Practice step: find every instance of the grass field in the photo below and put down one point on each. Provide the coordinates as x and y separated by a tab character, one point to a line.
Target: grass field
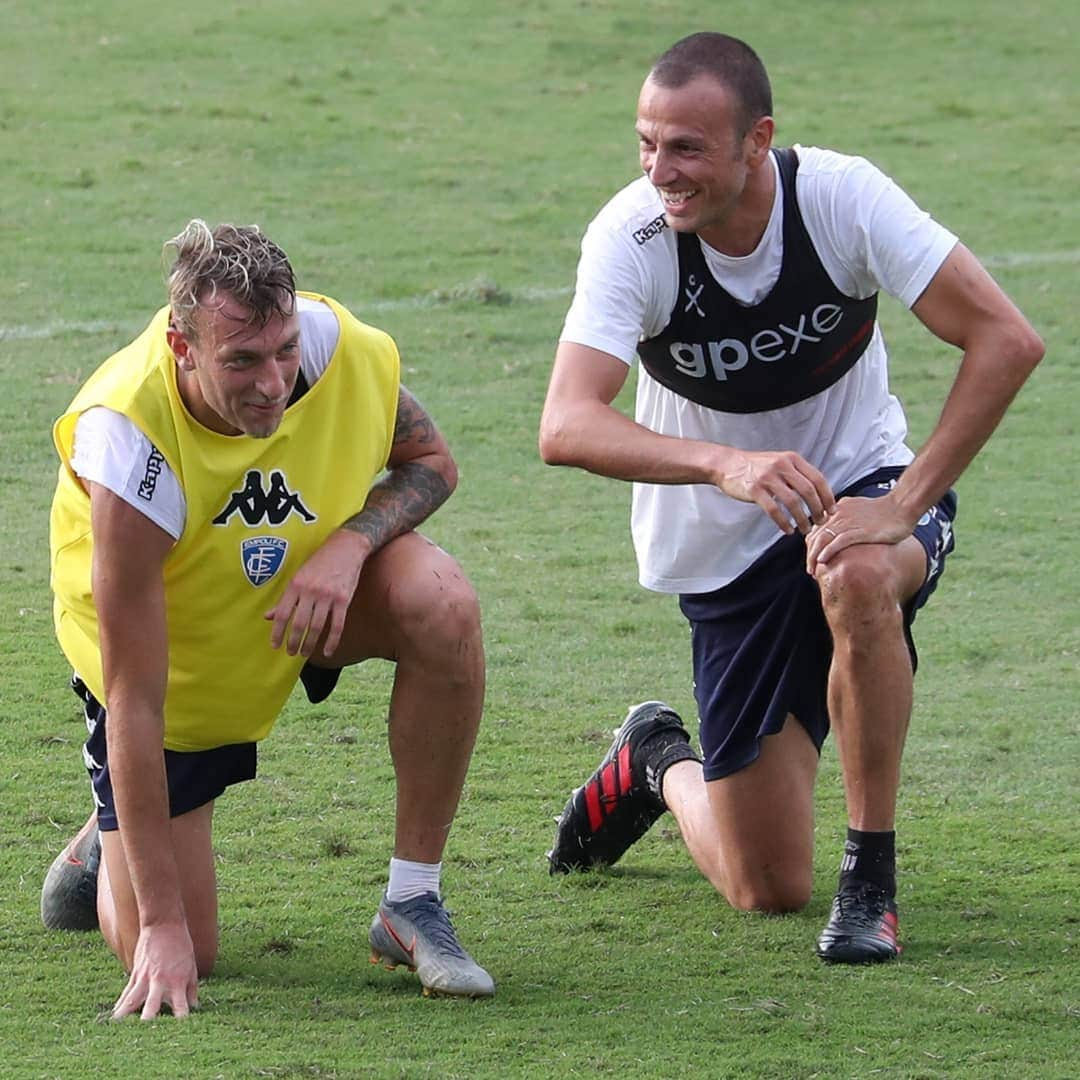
433	165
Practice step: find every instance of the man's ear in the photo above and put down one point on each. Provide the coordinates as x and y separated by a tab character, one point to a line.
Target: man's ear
758	140
181	348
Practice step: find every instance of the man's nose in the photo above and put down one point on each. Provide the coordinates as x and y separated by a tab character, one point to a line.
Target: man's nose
271	381
660	169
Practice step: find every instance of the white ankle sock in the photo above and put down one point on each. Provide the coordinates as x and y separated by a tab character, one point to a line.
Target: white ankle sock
412	879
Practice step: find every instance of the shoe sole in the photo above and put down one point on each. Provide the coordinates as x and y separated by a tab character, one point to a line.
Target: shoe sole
388	963
853	953
382	956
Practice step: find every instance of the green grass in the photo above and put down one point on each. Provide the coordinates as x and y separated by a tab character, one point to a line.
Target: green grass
433	165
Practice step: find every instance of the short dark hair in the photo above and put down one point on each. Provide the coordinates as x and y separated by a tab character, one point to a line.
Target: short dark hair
728	60
240	260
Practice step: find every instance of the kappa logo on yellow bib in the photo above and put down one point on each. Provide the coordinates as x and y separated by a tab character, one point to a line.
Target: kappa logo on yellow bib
264	499
262	557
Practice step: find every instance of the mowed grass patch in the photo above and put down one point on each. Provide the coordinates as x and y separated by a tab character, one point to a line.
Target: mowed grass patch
433	166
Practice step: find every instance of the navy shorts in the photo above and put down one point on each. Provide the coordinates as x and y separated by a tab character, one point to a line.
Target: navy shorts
761	645
194	778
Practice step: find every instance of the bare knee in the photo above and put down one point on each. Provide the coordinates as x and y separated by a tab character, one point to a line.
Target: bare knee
768	896
435	611
759	845
413	603
860	590
857	574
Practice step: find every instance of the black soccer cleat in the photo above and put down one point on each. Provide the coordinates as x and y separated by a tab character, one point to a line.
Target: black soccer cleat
617	805
862	928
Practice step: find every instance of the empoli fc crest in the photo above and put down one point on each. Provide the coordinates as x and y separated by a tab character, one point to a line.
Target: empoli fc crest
262	557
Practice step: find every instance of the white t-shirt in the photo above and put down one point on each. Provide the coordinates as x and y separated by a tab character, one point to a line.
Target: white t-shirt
870	236
110	450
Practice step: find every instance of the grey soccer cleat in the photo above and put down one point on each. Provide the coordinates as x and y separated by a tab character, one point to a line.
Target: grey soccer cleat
418	934
69	895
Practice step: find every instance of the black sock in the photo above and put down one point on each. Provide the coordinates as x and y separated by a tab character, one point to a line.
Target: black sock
659	753
869	856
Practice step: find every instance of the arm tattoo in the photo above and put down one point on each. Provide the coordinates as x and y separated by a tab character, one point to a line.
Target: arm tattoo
412	424
399	502
410	492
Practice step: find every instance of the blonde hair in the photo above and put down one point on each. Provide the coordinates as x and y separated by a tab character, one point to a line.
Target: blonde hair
238	260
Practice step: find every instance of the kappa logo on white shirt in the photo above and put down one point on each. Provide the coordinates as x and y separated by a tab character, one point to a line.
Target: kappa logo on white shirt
155	459
654	228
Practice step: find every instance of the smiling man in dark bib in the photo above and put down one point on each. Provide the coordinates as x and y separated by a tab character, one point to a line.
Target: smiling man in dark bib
774	490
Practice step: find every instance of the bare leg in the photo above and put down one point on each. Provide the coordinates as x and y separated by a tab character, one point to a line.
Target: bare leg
117	910
414	606
870	681
434	715
752	833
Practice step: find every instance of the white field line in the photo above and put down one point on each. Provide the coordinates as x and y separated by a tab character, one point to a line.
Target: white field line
458	294
1032	258
461	293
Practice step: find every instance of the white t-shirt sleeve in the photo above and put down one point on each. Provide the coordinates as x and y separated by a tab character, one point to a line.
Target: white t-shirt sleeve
319	332
625	283
110	450
869	233
607	311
